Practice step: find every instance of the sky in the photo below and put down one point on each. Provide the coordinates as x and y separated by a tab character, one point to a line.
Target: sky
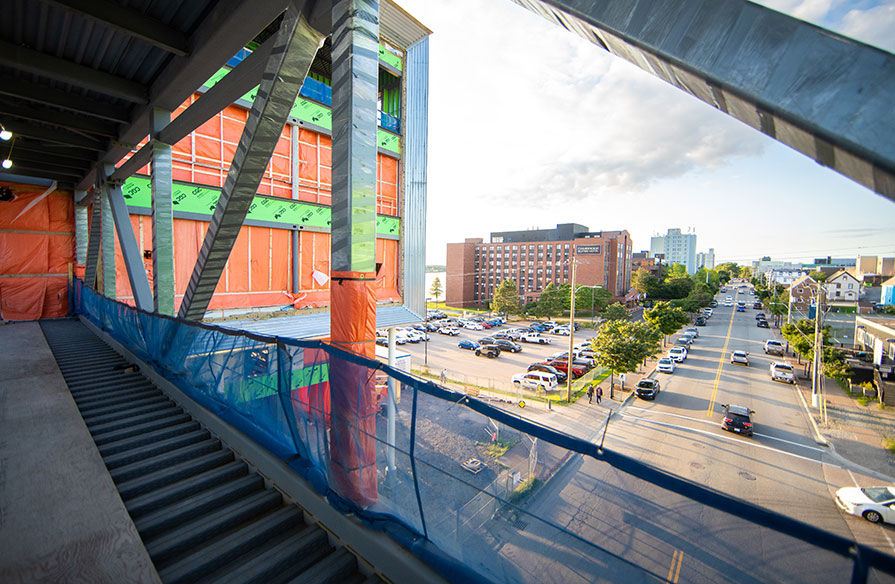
531	126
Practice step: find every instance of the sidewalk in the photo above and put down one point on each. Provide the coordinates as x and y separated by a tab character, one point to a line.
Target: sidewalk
854	432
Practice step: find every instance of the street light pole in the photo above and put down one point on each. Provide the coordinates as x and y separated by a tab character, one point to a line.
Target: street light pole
571	333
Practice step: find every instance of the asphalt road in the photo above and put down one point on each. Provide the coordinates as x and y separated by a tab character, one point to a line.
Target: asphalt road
649	534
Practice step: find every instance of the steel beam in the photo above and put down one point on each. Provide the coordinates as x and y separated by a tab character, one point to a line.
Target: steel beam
229	26
25	59
129	21
130	250
295	46
34	92
416	121
42	157
236	84
821	93
36	132
162	217
93	244
108	245
81	232
62	119
66	154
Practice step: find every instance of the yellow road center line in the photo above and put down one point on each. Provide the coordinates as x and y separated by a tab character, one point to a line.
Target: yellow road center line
711	409
674	570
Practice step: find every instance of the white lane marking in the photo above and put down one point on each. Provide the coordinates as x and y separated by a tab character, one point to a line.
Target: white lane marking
882	528
814	448
730	438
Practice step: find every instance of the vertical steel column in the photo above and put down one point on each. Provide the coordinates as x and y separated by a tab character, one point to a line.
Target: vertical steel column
162	216
415	124
93	244
295	46
81	230
392	404
355	64
108	244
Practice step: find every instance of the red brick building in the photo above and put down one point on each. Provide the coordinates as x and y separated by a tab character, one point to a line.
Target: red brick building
535	258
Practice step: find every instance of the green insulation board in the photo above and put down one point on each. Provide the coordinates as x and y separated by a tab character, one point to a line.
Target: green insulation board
203	200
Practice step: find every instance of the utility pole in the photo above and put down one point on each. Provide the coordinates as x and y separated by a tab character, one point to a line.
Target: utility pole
818	348
571	333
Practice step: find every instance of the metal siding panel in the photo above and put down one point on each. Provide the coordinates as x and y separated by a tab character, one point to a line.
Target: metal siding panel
416	120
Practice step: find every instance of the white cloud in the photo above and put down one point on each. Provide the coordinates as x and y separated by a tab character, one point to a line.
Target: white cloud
875	26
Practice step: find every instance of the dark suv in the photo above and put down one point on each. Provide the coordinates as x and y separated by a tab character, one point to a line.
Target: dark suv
647	388
737	419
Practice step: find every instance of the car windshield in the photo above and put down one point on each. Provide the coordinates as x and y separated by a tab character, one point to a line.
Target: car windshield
880	494
647	383
787	368
664	361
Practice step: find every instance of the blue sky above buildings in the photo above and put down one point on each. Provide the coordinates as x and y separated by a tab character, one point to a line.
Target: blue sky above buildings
530	126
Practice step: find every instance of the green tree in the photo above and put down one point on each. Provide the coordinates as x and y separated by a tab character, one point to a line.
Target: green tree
506	299
679	271
590	296
678	287
732	269
888	309
645	283
615	311
549	302
436	289
778	306
666	319
817	276
621	346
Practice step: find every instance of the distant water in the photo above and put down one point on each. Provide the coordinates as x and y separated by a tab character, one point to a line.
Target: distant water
430	277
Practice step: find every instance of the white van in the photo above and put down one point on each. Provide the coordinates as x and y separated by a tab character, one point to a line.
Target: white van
537	380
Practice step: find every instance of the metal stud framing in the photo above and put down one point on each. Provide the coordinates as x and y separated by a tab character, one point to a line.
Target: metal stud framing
162	217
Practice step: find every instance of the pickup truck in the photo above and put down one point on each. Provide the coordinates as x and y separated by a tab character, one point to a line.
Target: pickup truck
535	338
782	372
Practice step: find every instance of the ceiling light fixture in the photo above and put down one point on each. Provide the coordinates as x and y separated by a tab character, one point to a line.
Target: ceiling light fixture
4	133
7	163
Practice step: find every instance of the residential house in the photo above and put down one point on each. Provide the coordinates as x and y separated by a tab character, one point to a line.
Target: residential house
888	292
842	287
802	293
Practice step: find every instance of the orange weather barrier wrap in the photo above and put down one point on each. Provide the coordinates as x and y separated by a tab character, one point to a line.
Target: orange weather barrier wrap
36	247
352	388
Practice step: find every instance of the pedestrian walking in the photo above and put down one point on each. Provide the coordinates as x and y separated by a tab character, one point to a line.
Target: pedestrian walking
590	394
599	394
443	376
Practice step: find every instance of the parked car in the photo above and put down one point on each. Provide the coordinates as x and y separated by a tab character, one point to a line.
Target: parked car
760	316
762	324
783	372
539	380
756	305
474	326
560	375
509	335
772	347
700	321
507	345
563	365
647	388
741	357
539	327
490	351
382	341
449	331
693	331
713	303
708	311
467	344
875	504
562	331
486	341
737	419
537	338
683	340
665	365
678	354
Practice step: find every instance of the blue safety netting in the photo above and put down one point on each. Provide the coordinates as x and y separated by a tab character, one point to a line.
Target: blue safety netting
452	473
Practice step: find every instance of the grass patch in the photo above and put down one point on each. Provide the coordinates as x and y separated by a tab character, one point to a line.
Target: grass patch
864	400
499	448
889	444
524	490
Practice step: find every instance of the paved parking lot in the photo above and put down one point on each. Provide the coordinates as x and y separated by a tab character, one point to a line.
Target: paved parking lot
442	352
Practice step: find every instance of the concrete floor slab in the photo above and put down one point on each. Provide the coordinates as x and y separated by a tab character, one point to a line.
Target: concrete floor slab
61	519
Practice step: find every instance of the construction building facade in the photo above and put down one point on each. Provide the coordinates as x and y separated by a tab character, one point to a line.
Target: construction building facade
535	258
